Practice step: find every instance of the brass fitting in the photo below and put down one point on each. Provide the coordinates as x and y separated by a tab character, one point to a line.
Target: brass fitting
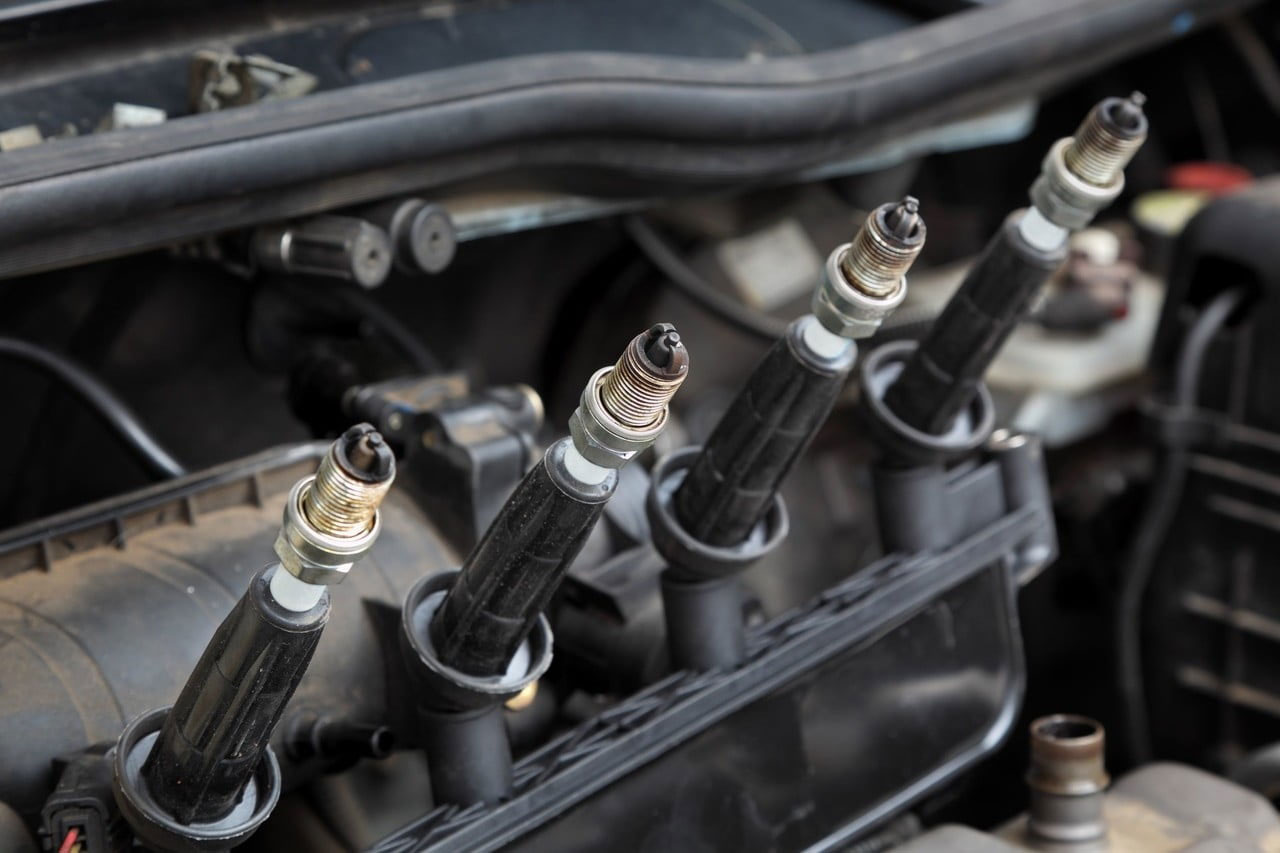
623	409
1084	173
866	278
331	519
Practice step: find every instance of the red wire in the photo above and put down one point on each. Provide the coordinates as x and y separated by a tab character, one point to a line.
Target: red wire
69	840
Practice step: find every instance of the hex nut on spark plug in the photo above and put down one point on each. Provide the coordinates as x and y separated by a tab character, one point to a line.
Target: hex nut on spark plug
865	280
331	519
311	555
623	408
1084	173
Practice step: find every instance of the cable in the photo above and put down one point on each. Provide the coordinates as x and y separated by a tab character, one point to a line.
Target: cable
904	325
695	288
1257	56
423	360
69	840
102	400
1162	503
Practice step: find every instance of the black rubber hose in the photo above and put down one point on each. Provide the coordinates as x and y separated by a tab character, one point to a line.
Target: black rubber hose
695	288
682	119
1164	495
114	411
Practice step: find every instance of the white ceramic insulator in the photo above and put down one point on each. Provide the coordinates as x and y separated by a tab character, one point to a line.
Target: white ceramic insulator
582	469
1040	232
293	594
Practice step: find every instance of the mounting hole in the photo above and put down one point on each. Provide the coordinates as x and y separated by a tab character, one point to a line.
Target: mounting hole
1067	728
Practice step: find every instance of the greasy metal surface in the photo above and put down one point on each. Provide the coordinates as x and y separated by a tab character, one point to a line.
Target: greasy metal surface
105	633
1160	808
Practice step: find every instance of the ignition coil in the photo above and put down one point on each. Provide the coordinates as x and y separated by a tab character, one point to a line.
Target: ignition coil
716	509
474	638
776	414
934	383
201	775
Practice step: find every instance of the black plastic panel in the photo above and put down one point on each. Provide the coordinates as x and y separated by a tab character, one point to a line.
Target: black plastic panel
919	654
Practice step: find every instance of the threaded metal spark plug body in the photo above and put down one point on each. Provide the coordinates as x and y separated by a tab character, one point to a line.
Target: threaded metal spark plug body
884	248
1107	140
624	407
352	480
648	374
331	519
866	278
1084	173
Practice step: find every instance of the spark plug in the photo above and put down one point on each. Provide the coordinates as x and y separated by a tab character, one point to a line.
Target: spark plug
202	775
775	416
511	575
1080	175
474	638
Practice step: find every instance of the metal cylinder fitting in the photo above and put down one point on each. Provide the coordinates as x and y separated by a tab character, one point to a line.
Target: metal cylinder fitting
1107	139
333	246
648	374
331	519
352	480
866	279
624	408
422	235
1068	779
1084	173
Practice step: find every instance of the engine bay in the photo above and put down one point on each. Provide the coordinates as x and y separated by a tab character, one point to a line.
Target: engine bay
831	425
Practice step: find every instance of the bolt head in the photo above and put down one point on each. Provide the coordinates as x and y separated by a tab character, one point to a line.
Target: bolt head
846	311
1064	199
599	452
599	437
315	557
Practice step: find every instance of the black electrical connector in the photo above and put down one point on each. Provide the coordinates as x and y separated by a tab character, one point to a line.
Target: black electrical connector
715	510
215	735
82	803
475	638
1080	175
